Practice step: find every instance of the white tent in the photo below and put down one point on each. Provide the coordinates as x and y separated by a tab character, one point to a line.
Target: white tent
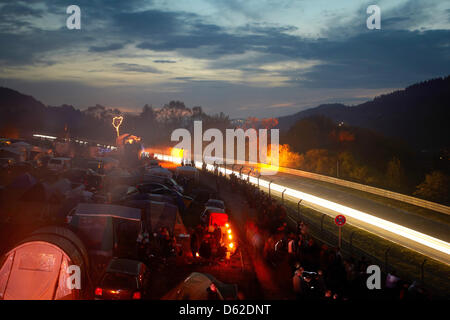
37	268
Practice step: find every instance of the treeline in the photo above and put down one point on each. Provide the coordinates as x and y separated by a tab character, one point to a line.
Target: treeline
22	115
317	144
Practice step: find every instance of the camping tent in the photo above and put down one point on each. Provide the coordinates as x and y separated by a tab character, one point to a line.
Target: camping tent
159	171
194	288
149	197
159	214
162	214
107	231
188	172
118	176
37	268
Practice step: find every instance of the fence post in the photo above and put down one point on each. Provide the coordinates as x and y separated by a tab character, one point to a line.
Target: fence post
422	270
386	259
321	222
248	175
282	196
269	189
298	209
258	180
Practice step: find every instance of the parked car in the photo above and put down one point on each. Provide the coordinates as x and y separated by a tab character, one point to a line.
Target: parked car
59	164
149	187
206	214
124	279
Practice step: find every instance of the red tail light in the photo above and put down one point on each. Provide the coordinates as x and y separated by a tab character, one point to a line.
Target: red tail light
98	291
136	295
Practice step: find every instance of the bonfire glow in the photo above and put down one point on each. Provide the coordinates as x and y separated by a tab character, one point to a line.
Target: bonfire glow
177	153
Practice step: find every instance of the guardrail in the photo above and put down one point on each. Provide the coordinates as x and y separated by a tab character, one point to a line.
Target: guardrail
358	186
378	191
336	208
387	261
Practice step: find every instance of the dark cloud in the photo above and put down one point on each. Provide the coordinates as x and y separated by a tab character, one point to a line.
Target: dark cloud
184	78
379	59
148	23
28	48
15	10
132	67
360	58
110	47
164	61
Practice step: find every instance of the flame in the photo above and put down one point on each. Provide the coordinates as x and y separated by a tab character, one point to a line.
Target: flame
286	158
117	125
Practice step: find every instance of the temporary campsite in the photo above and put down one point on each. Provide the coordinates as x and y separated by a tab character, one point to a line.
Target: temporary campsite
37	267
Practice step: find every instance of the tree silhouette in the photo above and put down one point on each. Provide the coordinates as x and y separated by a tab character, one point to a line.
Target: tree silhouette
395	175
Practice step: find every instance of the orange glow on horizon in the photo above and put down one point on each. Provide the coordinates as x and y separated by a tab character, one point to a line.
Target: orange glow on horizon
177	153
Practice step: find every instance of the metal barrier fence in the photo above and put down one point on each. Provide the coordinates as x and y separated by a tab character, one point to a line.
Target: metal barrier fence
377	191
346	183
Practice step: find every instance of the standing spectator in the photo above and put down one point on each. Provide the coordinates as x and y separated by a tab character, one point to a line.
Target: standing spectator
194	243
205	249
297	281
291	250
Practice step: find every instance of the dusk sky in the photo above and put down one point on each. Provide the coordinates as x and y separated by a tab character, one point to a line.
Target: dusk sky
256	57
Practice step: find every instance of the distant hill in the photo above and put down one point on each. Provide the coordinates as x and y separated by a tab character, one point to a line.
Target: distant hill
417	115
22	115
